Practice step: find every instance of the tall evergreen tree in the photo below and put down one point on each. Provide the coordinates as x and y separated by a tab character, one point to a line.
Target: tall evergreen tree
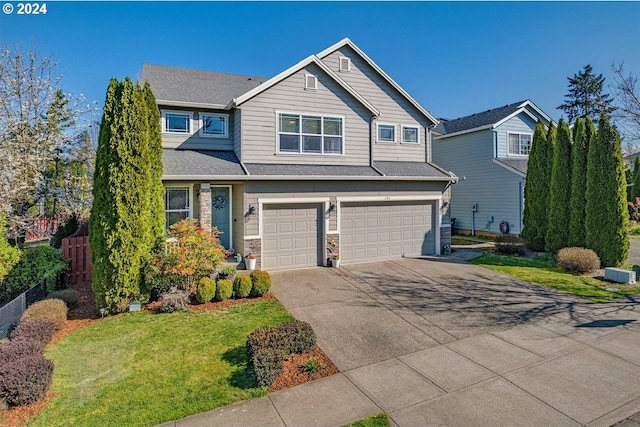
120	218
634	190
560	191
536	190
606	216
155	163
585	97
579	152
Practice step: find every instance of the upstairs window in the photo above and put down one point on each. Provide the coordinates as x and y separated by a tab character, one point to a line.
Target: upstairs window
177	122
386	133
306	134
410	135
177	204
519	144
214	125
345	64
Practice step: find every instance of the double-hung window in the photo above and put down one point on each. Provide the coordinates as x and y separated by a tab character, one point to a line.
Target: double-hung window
177	122
310	134
386	133
214	125
410	135
177	204
519	144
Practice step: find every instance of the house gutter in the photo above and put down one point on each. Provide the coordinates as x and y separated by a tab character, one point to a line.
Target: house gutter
450	178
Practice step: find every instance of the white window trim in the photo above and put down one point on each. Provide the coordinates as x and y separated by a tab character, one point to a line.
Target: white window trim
518	154
208	135
308	78
300	152
342	58
402	128
189	188
395	131
184	113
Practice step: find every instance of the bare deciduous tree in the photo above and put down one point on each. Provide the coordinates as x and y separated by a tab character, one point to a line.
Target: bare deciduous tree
627	96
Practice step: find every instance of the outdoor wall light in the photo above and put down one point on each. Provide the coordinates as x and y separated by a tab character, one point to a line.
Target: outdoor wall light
252	210
332	207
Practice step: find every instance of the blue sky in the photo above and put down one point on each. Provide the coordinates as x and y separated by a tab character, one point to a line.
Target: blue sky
455	58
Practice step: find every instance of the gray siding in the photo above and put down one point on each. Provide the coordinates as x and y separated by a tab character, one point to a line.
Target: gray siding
494	188
194	140
259	120
394	107
521	123
237	139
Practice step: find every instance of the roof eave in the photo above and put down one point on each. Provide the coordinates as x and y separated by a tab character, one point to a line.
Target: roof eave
305	177
189	104
462	132
510	168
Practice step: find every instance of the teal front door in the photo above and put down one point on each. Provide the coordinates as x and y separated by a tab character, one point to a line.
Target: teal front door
221	213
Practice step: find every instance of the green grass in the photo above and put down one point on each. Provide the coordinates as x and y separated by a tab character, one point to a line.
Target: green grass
380	420
544	271
143	369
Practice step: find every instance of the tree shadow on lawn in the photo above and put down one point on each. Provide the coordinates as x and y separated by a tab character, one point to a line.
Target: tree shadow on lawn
244	376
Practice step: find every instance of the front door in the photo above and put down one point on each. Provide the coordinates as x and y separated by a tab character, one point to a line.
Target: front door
220	213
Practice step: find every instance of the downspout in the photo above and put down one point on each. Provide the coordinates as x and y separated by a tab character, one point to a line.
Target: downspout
495	143
371	127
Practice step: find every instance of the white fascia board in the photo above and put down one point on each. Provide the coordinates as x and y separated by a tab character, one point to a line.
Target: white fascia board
509	168
352	45
514	114
303	178
539	111
462	132
188	104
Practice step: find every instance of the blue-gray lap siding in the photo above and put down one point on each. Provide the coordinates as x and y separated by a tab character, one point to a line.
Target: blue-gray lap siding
496	190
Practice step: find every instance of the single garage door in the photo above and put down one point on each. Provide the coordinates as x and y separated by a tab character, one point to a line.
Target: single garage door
375	231
291	236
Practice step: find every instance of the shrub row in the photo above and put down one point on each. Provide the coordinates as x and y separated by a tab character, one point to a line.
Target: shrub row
509	244
267	347
53	310
578	260
69	296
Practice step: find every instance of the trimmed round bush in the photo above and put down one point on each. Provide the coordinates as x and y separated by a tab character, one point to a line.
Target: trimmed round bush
10	351
261	281
578	260
224	289
174	300
40	330
298	336
510	244
206	290
242	286
268	364
69	296
54	310
26	380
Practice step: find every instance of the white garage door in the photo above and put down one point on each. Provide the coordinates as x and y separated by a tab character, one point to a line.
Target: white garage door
375	231
291	236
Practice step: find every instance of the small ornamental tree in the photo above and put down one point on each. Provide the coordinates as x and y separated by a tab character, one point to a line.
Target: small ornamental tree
560	191
579	151
536	191
606	216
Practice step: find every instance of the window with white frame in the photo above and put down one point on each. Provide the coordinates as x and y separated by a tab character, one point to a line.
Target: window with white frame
345	63
177	204
176	122
214	125
410	135
310	81
386	133
307	134
519	144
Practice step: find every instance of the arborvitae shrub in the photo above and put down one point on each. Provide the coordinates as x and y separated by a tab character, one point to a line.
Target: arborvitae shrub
40	330
10	351
69	296
509	244
26	380
578	260
206	290
174	300
224	289
268	364
242	286
261	283
298	336
54	310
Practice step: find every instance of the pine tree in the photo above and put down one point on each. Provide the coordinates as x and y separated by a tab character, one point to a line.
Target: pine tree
536	191
579	152
155	162
606	216
560	191
585	97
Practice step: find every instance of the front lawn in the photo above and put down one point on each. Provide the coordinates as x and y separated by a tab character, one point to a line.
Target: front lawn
545	272
144	369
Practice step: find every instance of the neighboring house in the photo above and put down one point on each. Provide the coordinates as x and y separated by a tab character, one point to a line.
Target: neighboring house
630	159
488	152
331	149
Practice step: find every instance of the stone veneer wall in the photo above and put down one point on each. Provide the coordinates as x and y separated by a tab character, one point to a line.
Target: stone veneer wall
205	208
254	247
445	238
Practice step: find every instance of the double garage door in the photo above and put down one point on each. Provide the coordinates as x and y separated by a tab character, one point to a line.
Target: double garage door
293	234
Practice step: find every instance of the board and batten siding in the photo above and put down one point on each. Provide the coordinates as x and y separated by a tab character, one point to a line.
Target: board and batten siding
260	121
522	123
496	190
193	140
393	106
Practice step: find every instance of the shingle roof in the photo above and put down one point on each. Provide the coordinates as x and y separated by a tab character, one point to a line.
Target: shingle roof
518	164
309	170
477	120
412	169
197	86
185	163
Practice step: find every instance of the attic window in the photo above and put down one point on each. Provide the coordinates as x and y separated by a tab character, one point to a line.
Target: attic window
310	81
519	144
345	63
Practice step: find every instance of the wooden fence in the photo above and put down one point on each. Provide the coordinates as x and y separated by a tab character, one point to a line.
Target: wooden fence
76	250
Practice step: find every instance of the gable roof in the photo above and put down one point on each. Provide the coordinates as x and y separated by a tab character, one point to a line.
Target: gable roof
488	119
347	42
313	59
187	87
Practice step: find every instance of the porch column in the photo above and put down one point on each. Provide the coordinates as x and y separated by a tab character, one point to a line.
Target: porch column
205	206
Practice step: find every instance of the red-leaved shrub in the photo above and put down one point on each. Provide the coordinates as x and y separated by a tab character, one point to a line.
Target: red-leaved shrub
11	351
40	330
26	380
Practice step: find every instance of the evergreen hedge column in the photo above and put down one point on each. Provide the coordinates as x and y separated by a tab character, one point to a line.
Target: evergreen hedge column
560	191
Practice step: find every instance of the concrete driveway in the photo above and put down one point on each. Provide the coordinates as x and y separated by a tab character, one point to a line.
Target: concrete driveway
440	342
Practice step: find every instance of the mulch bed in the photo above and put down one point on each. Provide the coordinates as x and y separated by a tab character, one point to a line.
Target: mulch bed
294	375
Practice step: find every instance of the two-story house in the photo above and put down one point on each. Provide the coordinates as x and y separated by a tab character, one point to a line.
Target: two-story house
331	149
488	152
